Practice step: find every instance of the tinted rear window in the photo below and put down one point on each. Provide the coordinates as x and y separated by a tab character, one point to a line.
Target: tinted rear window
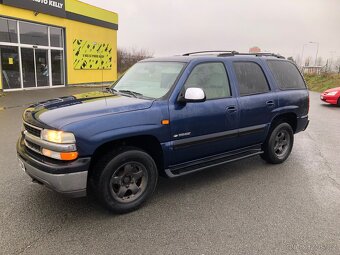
286	75
251	79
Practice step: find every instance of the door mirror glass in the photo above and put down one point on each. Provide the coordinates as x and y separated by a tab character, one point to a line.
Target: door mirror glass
194	95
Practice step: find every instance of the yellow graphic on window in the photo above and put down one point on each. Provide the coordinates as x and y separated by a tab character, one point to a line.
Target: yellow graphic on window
91	55
10	61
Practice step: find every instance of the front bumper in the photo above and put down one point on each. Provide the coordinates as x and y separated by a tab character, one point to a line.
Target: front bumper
68	178
329	99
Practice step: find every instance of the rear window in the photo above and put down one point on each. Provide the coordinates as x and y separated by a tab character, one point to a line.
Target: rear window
251	79
286	75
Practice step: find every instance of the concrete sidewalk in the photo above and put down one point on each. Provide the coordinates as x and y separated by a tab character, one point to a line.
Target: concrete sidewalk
27	97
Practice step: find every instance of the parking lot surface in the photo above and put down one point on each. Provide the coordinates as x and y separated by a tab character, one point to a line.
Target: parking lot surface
246	207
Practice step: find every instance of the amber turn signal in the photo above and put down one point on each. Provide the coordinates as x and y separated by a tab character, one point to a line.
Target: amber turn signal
67	156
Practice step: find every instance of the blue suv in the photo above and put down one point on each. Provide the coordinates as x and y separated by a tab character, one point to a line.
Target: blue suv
165	116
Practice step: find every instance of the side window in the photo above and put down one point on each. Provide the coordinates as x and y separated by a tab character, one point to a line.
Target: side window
212	78
251	79
286	75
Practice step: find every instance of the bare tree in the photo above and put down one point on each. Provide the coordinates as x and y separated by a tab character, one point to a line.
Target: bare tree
308	61
291	59
127	58
337	64
319	61
298	60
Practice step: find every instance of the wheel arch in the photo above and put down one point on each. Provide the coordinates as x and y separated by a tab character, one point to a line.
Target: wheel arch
289	117
147	143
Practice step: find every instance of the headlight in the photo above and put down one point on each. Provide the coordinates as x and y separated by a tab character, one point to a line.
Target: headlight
55	136
333	93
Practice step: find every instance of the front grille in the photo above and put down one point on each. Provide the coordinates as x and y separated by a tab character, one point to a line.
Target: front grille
32	146
32	130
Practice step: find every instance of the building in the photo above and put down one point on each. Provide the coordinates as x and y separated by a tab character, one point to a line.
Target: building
254	49
312	69
51	43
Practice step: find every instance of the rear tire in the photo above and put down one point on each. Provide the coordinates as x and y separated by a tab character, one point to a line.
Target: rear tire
125	179
279	144
339	101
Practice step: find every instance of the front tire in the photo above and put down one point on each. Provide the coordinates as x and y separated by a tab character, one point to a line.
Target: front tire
126	179
279	144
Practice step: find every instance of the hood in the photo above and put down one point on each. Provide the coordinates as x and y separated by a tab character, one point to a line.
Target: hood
331	90
58	112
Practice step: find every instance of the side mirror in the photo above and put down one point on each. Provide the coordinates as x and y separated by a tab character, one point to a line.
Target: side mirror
193	95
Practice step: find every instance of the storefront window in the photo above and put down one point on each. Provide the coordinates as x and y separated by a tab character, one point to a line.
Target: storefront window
10	67
57	60
33	34
56	35
8	31
38	63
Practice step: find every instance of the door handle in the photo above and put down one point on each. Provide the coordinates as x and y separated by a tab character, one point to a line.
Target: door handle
231	108
270	103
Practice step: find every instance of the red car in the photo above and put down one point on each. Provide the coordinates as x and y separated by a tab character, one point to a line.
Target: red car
331	96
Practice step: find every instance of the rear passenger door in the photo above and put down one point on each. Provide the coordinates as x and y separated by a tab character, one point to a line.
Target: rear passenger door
256	100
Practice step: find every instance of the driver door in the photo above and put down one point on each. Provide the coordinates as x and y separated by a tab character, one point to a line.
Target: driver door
201	129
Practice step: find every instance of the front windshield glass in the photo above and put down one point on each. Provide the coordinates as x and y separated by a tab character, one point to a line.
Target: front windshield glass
149	79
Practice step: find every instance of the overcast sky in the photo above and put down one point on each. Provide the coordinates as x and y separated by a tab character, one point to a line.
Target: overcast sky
169	27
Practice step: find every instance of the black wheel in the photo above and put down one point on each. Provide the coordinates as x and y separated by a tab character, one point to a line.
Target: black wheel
125	179
279	144
339	101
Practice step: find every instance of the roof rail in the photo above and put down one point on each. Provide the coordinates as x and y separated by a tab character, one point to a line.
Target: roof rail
230	52
259	54
225	53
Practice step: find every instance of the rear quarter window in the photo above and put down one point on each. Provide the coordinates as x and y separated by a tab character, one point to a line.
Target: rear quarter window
286	75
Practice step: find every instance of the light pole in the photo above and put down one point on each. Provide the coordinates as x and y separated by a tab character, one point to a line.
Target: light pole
317	51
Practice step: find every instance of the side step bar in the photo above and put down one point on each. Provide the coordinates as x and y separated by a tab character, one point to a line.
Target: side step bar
220	159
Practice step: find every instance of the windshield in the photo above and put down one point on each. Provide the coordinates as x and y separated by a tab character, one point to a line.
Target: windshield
149	79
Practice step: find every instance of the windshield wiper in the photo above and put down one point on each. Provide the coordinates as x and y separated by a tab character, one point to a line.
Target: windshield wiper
132	93
111	90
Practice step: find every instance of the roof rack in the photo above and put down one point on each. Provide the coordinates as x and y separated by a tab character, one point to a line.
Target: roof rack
225	53
260	54
211	51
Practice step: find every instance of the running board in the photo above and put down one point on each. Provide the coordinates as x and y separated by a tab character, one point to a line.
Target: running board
220	159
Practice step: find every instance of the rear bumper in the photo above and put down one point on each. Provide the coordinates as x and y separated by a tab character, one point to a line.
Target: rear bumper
302	124
66	178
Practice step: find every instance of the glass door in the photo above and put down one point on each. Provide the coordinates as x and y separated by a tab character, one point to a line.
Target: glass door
41	67
28	67
35	67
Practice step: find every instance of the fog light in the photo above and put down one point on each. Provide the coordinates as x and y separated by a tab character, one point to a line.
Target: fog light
60	155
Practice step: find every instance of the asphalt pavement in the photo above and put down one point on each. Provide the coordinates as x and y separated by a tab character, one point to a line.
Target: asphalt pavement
246	207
